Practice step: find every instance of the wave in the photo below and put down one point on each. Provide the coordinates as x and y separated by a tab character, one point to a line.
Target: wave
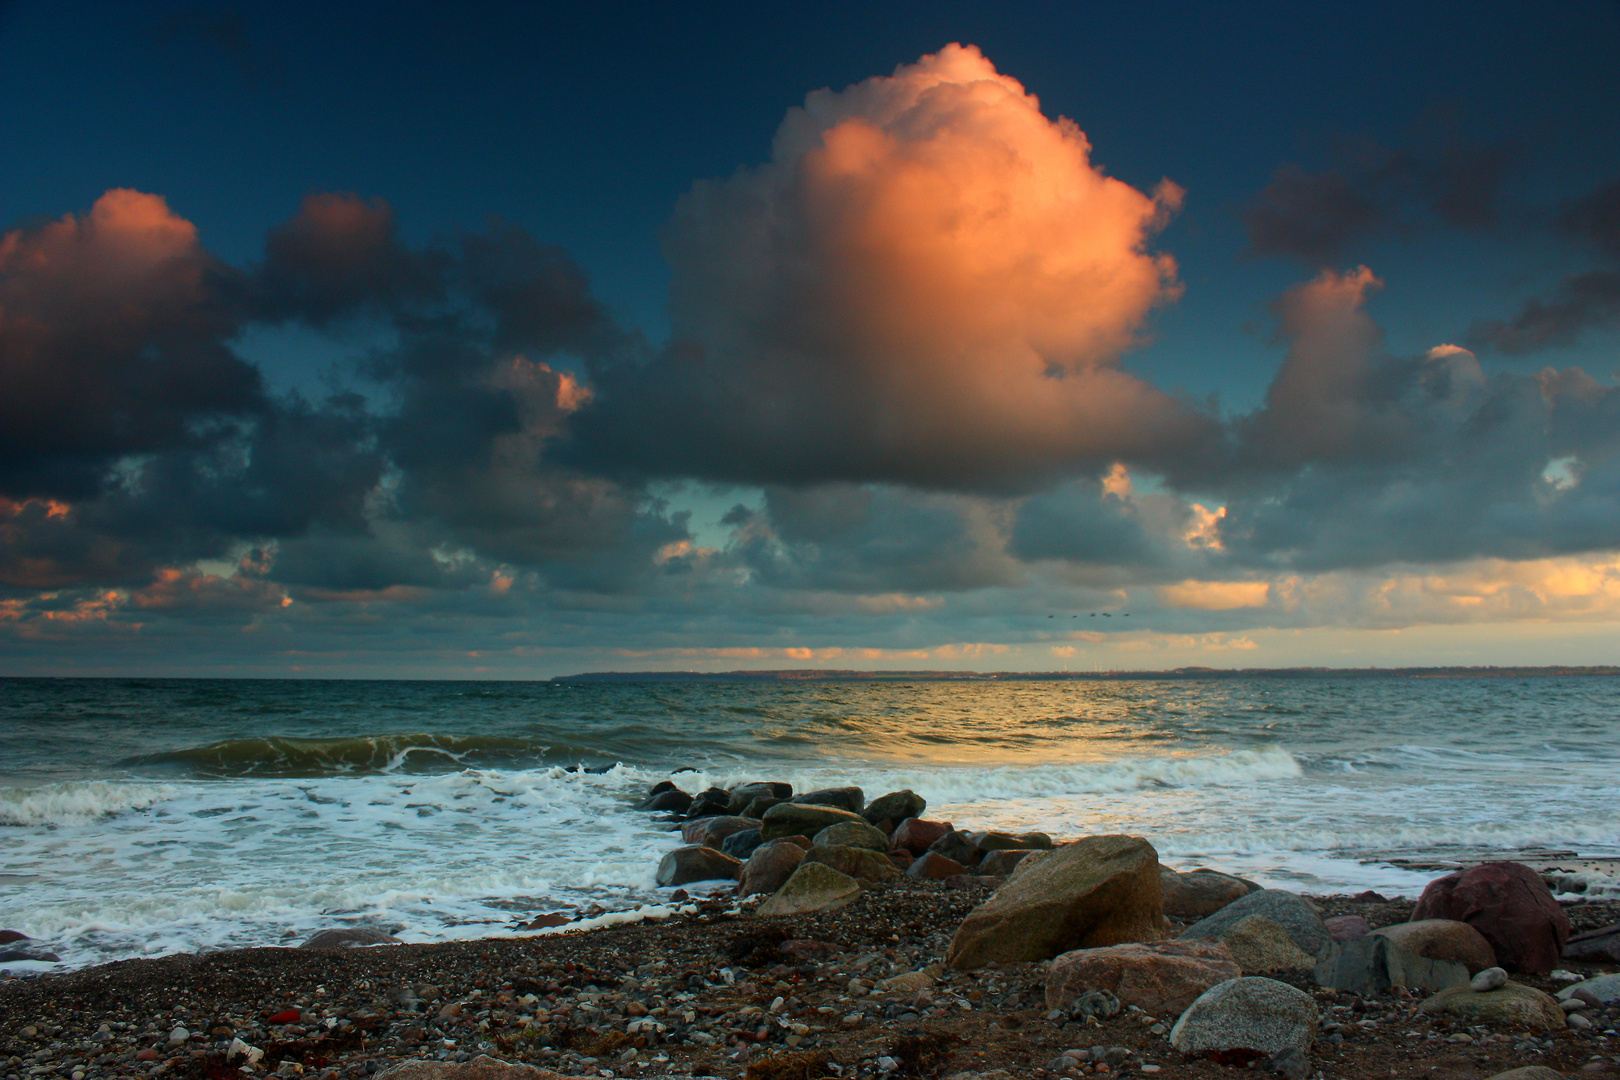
290	756
77	803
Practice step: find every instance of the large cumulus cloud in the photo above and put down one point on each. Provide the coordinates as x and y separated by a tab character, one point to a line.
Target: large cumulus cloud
929	283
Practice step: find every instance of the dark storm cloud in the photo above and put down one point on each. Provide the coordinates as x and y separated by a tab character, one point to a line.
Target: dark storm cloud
1583	301
1318	217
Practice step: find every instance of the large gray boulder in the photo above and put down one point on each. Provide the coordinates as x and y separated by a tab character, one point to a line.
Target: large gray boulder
813	887
1443	939
712	831
1158	977
895	807
1260	945
852	834
863	864
1606	988
1375	963
1250	1013
1510	1005
1102	890
1293	912
696	862
349	937
743	794
852	798
802	819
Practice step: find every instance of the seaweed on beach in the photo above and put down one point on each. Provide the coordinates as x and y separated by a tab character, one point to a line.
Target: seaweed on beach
923	1055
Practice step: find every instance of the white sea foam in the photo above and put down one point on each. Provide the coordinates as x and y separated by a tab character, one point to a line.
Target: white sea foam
78	802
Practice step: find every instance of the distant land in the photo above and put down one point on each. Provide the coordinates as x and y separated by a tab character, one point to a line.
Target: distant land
833	675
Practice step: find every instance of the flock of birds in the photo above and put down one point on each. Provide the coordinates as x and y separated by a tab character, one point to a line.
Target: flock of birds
1094	614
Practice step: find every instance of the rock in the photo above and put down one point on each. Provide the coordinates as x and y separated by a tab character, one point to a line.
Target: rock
349	937
1371	965
756	808
790	818
908	984
957	847
672	799
933	865
1002	863
896	806
712	831
743	794
1513	1005
770	865
901	859
8	936
1091	1005
482	1067
740	845
1200	893
853	834
915	834
812	887
1606	988
852	799
1000	841
710	803
1443	939
1159	977
1346	927
1491	978
863	864
1259	945
1102	890
695	862
1249	1013
1293	912
1510	905
1600	945
1528	1072
31	951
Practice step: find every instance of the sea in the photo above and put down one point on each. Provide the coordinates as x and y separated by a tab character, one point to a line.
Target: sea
141	817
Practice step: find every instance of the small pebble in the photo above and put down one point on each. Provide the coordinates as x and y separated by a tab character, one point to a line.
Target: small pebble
1491	978
1578	1022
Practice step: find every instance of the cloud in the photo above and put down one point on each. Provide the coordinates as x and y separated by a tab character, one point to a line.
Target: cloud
1214	595
1583	301
929	283
1369	192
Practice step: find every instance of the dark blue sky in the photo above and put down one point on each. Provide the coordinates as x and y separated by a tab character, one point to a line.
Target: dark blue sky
1464	152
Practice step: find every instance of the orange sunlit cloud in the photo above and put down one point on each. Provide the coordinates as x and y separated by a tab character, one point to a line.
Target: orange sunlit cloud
1214	595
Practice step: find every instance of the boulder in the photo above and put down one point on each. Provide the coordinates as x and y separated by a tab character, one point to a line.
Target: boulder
813	887
1159	977
712	831
756	807
1513	1005
853	834
1002	863
1200	893
1255	1014
852	799
349	937
1346	927
915	834
1602	944
895	806
740	845
1373	964
1443	939
695	862
1102	890
863	864
1293	912
1000	841
1510	905
769	865
793	818
673	800
1259	945
1528	1072
956	846
901	859
934	866
709	803
1606	988
482	1067
743	794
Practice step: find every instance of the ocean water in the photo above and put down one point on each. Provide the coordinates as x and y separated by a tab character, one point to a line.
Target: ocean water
142	817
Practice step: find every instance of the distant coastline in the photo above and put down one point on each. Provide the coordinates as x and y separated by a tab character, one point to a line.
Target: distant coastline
834	675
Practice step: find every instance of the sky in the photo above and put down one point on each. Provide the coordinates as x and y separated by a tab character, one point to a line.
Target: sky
402	340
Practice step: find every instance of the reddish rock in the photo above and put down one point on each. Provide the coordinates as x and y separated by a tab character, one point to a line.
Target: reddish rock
1346	927
696	862
8	936
1509	905
769	867
1161	977
1001	863
931	864
712	831
901	858
1200	893
915	834
148	1054
285	1016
